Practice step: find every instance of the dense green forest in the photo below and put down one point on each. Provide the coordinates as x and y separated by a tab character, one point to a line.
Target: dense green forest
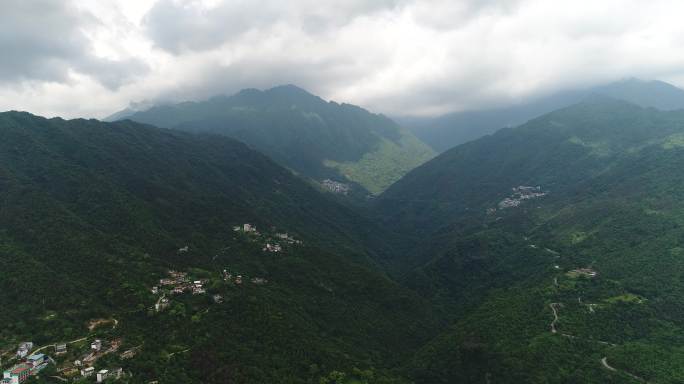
547	253
315	138
581	283
94	214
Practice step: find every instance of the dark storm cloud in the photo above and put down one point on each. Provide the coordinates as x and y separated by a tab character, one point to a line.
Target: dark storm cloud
45	40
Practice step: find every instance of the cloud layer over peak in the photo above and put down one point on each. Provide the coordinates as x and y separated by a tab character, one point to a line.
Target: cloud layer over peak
90	58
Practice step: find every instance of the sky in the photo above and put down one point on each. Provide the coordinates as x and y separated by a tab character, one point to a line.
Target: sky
90	58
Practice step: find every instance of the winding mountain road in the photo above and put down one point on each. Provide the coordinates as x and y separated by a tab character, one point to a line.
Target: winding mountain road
604	363
53	345
555	317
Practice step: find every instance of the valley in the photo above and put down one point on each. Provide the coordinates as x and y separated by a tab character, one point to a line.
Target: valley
341	192
570	265
549	252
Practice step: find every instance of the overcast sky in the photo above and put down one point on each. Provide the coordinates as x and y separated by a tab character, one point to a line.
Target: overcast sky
89	58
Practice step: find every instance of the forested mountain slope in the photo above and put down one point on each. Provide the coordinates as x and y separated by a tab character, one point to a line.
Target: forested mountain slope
556	151
550	252
579	280
318	139
94	214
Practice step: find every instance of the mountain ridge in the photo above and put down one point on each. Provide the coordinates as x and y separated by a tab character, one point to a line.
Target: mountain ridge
95	214
449	130
317	139
556	245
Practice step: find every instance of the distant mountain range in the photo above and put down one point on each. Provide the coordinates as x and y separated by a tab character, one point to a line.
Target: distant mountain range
317	139
450	130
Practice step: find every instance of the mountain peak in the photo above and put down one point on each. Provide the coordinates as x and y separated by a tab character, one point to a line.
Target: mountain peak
307	134
289	88
293	92
646	93
285	89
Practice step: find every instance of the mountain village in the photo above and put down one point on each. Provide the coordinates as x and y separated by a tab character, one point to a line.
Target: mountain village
72	362
521	194
336	187
75	360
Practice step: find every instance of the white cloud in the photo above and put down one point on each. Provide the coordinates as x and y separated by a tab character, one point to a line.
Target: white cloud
392	56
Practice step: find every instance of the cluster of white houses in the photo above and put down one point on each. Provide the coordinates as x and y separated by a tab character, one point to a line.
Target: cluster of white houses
24	349
238	279
272	244
96	351
29	365
103	374
335	186
520	194
287	238
246	228
179	283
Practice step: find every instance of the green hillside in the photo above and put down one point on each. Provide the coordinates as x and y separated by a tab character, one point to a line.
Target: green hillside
317	139
547	253
581	284
556	151
95	214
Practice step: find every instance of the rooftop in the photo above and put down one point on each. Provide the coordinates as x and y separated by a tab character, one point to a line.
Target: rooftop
19	369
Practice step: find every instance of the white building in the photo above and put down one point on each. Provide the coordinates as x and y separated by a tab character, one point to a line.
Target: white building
102	375
60	348
161	304
272	248
24	349
86	372
106	374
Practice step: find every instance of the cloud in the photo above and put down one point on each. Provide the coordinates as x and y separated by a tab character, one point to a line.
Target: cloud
391	56
179	26
417	57
46	41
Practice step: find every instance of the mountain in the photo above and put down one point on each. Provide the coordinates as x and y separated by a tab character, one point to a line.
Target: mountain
317	139
93	215
549	252
556	150
447	131
654	93
556	247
